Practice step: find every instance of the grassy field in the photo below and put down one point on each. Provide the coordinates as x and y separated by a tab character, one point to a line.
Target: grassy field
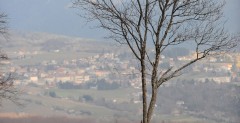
44	106
119	94
38	104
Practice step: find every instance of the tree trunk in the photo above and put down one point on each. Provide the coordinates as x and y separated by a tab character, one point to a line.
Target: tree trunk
144	91
152	105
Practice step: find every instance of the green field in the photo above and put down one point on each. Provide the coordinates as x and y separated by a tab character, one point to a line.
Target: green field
37	102
120	94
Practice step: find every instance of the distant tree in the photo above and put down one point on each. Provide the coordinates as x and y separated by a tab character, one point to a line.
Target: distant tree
68	85
104	85
153	26
7	89
52	94
87	98
3	23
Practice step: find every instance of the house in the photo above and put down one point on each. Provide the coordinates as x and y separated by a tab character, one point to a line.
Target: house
101	73
49	79
81	79
64	78
34	79
224	79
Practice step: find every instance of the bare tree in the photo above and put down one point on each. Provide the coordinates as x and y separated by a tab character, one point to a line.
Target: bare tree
7	89
152	26
3	23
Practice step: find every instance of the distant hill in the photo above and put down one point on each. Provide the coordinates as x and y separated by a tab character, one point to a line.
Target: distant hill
48	41
35	47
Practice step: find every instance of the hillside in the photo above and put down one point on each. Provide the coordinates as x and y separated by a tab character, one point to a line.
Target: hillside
33	48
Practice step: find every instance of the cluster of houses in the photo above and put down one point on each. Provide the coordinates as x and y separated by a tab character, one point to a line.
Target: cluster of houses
223	69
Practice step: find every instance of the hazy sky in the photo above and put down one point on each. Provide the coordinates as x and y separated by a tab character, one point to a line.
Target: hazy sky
55	16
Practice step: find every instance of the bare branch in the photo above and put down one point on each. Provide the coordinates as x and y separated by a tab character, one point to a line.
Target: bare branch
7	88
